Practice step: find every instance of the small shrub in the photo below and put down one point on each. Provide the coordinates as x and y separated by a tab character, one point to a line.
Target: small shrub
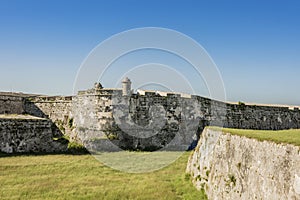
62	128
62	140
112	136
202	186
207	173
198	178
74	147
70	122
241	103
232	179
187	177
239	165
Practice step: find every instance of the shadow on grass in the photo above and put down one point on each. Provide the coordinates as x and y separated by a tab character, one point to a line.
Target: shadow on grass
69	152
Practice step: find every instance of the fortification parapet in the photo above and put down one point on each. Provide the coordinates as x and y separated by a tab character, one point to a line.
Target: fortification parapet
100	110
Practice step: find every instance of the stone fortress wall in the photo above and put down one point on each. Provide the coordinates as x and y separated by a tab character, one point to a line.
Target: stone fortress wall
19	133
56	108
127	118
33	123
229	166
120	116
11	104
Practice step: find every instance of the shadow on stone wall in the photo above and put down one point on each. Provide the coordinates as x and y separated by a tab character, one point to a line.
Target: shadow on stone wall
33	132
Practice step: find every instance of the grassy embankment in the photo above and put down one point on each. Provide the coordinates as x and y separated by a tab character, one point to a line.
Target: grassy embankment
291	136
83	177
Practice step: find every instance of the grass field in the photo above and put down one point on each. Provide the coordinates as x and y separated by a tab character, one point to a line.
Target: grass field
83	177
291	136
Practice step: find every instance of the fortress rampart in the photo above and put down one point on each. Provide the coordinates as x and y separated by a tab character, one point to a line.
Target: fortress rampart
145	120
11	104
19	133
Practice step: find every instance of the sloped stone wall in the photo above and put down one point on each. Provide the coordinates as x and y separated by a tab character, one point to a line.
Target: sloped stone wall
58	109
28	134
233	167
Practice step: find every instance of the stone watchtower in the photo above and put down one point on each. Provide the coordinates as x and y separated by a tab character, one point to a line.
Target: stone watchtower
126	87
98	86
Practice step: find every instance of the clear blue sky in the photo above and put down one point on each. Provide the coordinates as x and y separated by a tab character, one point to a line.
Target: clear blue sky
255	44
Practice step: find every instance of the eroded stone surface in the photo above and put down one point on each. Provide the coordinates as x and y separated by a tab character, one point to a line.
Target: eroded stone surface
28	134
234	167
146	120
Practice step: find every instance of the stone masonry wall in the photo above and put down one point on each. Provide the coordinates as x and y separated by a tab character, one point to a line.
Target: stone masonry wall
139	122
93	119
233	167
153	121
10	104
124	119
248	116
57	108
28	134
261	117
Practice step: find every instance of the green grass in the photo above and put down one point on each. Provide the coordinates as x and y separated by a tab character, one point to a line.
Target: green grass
291	136
138	162
83	177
